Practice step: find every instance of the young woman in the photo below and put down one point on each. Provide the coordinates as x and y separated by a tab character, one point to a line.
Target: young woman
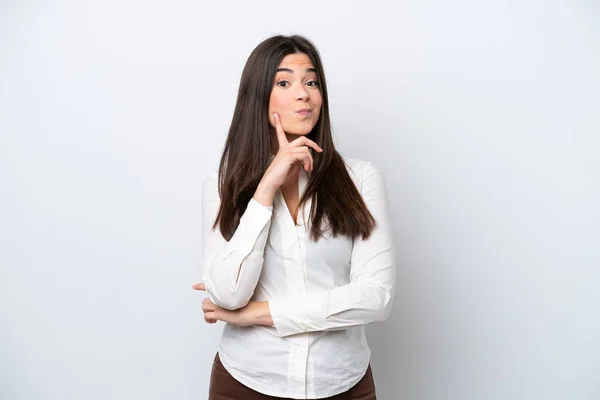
298	252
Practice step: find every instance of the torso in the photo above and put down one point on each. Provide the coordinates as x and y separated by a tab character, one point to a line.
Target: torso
305	365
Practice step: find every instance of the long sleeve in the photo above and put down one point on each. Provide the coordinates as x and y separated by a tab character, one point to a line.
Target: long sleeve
231	269
369	295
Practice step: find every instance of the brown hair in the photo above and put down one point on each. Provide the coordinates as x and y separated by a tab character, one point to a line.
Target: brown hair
251	141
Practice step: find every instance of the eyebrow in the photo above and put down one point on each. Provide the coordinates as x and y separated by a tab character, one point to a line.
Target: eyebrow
311	69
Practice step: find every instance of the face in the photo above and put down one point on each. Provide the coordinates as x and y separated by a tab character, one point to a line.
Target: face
296	95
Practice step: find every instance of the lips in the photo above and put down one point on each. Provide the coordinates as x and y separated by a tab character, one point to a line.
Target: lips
304	111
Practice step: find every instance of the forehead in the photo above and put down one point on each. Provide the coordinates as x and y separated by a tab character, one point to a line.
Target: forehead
296	62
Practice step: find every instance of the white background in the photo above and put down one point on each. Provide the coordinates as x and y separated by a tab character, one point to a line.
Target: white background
482	115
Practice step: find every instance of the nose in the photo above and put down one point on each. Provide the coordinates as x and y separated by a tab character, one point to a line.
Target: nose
301	94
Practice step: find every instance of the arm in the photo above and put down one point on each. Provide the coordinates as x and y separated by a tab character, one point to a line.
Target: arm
231	268
369	295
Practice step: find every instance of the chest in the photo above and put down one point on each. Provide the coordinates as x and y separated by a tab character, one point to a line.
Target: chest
290	236
294	263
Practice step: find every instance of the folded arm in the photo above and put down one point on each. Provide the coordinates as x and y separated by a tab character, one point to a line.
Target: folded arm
231	269
369	295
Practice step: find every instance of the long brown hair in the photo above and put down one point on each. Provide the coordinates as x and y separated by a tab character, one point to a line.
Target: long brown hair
251	141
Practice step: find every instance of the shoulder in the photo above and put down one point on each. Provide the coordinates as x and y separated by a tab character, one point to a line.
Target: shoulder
213	176
211	179
210	186
361	171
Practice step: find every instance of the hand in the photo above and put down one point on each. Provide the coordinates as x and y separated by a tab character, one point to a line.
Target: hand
289	154
254	313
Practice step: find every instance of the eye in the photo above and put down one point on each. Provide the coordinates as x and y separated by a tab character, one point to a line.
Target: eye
312	83
282	83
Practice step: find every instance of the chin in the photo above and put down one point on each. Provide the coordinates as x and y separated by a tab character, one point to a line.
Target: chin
299	133
300	130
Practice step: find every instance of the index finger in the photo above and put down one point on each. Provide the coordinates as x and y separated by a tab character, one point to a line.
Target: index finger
199	286
280	132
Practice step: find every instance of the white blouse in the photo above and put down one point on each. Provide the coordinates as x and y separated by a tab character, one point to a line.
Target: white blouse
321	294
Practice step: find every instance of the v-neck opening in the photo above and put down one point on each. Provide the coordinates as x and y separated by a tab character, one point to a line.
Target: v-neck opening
302	181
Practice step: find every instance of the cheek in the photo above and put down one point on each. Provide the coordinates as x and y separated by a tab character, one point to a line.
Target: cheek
318	102
276	102
315	118
274	107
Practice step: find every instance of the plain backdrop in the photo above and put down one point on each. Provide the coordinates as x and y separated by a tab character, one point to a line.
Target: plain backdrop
484	117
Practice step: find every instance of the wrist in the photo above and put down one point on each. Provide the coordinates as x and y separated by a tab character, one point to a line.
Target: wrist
263	314
264	194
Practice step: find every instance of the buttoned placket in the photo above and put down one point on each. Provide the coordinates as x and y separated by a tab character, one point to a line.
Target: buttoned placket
296	275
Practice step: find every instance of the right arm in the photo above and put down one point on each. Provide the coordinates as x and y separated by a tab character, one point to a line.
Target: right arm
231	268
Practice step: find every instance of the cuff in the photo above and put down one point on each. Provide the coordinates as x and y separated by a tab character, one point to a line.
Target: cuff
256	204
298	314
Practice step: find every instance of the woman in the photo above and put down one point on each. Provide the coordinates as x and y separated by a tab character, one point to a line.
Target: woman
294	289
